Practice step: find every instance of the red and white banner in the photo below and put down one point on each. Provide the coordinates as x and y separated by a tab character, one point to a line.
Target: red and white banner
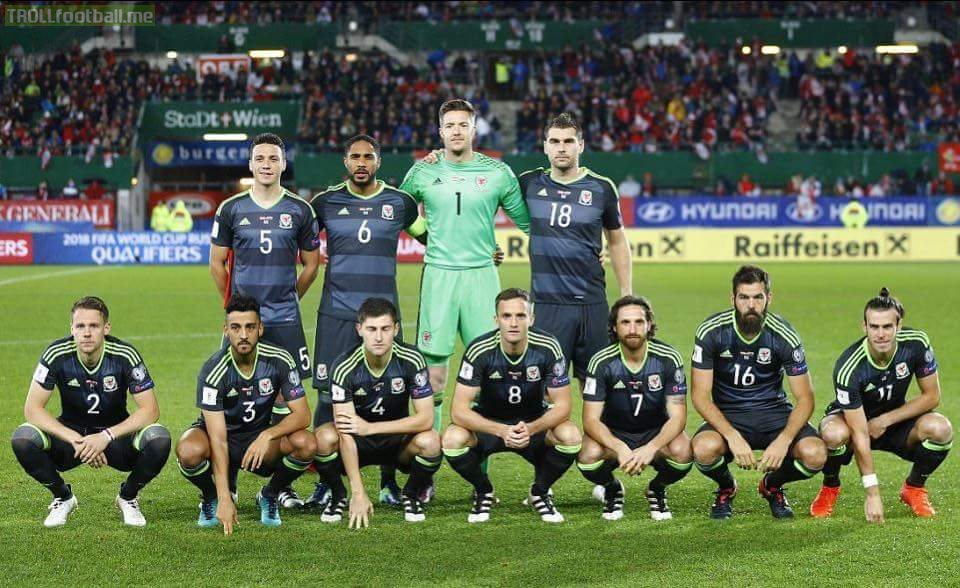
16	248
950	157
200	204
227	63
98	212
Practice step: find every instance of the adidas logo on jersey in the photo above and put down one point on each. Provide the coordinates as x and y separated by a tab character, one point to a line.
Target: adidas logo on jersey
726	353
437	182
870	387
343	211
245	222
232	392
542	192
619	385
496	376
73	382
360	392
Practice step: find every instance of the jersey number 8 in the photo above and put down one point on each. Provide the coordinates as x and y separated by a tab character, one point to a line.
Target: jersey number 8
513	395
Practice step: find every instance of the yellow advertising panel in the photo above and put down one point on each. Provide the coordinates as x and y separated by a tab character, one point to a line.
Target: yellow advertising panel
757	245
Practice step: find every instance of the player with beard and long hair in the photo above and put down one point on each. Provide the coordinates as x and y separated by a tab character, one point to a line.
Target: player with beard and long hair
740	356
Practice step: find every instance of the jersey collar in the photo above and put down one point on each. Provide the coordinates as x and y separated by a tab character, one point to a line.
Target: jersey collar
583	173
256	357
96	368
387	363
643	362
507	356
866	349
283	194
740	336
380	183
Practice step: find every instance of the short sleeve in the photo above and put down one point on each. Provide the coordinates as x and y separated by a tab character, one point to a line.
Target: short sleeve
847	390
139	378
925	363
222	232
317	205
674	380
291	387
209	397
703	351
409	184
793	358
471	371
611	209
595	386
308	237
45	373
557	368
418	382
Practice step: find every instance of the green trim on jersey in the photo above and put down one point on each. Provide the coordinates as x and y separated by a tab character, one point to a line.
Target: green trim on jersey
848	367
714	322
380	189
57	350
613	186
386	364
219	370
913	335
779	326
277	352
347	365
125	351
736	329
253	370
411	356
547	342
625	361
580	175
664	350
866	349
482	345
103	353
600	356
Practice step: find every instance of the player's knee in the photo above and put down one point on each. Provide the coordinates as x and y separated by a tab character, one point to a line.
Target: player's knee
327	439
26	439
812	452
680	449
935	427
156	437
455	437
567	433
427	443
590	451
707	447
304	445
835	433
190	453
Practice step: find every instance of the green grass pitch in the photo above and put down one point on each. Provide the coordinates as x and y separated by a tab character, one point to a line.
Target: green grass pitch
172	315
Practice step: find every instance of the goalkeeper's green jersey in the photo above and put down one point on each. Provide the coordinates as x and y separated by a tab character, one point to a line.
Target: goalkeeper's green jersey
461	201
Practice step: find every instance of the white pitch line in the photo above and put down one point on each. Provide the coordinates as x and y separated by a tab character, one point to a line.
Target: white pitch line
68	272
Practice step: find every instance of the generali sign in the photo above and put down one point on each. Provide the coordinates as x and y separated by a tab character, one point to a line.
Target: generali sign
98	212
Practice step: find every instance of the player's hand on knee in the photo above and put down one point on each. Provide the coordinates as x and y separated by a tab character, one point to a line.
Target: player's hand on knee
361	509
227	514
773	455
873	508
742	453
253	458
876	427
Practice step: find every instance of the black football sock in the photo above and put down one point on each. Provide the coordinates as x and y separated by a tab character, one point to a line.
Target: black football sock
927	457
668	472
718	472
466	462
421	474
599	472
201	476
288	470
836	459
556	461
153	442
28	445
388	475
791	470
329	467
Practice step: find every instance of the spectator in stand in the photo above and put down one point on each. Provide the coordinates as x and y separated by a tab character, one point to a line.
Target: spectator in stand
629	187
70	191
881	188
94	191
3	192
746	187
649	188
810	190
943	185
922	179
43	191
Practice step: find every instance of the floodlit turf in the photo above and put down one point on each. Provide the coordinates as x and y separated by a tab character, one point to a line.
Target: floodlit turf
172	316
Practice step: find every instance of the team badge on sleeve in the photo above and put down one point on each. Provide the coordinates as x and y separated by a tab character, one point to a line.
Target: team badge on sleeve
928	355
294	378
697	353
798	354
420	379
40	374
678	376
466	371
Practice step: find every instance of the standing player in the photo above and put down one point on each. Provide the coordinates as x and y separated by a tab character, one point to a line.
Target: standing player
93	370
739	359
871	379
256	238
373	386
634	411
363	218
236	391
498	405
461	195
571	208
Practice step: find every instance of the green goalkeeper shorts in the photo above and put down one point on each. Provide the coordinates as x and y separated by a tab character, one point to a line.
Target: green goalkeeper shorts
451	302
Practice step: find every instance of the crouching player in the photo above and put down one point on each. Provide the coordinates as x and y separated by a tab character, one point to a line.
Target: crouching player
372	387
236	391
871	379
634	411
93	372
507	373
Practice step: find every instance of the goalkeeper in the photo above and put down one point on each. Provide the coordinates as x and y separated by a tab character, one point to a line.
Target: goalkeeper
461	194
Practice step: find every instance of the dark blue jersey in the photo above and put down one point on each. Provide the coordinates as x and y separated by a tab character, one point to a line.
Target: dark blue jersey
246	400
362	236
93	397
513	388
635	401
859	381
748	374
385	396
566	234
265	244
